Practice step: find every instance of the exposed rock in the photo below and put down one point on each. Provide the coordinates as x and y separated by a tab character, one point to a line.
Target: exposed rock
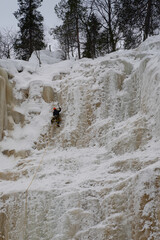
17	154
9	176
48	94
10	123
18	117
8	153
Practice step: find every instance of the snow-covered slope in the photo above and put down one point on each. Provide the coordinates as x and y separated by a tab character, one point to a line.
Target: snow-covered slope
97	176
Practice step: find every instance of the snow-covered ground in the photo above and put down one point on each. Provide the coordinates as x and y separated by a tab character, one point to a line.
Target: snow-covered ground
97	176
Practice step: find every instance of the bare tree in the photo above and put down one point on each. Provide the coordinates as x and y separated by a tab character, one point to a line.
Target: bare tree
1	53
105	9
38	55
7	40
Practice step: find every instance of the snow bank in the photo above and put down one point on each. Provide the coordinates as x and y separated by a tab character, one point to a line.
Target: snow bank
46	56
152	45
14	67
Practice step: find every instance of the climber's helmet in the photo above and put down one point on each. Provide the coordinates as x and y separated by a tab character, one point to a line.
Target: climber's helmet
54	108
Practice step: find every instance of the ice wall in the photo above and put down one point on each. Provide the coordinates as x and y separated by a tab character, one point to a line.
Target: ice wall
97	176
110	104
5	98
8	115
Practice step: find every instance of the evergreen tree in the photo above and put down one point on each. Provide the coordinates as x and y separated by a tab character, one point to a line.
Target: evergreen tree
31	34
138	20
92	36
72	14
65	33
104	45
65	38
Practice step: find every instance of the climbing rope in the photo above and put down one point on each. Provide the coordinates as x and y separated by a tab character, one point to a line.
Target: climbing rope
33	178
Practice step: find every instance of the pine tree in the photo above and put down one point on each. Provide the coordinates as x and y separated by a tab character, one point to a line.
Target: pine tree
72	13
92	37
31	33
138	20
64	37
65	33
76	12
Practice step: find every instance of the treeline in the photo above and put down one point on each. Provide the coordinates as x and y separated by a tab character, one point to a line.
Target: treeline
91	28
30	36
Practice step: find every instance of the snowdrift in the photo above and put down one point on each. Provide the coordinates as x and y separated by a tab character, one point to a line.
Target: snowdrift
46	57
97	176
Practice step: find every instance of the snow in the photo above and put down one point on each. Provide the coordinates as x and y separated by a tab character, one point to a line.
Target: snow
97	174
46	57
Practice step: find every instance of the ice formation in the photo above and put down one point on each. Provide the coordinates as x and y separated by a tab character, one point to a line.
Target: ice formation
97	176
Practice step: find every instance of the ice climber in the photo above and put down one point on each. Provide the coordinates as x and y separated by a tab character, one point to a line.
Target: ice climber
56	116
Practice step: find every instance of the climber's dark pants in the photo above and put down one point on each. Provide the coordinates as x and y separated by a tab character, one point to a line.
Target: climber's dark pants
56	119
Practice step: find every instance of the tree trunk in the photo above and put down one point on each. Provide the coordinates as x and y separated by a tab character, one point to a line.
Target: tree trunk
78	43
112	41
30	30
147	20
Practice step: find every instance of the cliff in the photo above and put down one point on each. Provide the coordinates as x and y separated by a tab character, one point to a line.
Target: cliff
97	176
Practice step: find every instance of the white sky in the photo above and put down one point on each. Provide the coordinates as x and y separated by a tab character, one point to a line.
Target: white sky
8	7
